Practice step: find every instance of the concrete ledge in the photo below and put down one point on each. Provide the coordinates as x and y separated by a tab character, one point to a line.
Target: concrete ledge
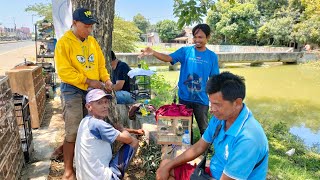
148	124
132	58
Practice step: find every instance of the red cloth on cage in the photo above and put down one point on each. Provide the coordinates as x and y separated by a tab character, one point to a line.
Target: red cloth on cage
173	110
184	171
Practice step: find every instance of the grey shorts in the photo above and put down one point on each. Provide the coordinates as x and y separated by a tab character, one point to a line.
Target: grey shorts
73	107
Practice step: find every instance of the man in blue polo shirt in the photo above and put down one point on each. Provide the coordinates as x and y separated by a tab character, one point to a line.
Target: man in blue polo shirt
241	146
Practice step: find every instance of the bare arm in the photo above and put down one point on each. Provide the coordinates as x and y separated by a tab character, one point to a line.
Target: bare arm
135	131
150	52
190	154
225	177
120	128
119	84
126	138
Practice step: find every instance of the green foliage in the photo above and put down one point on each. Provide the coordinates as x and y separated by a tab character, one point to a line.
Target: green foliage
278	30
237	22
124	35
308	31
141	22
152	28
234	23
151	156
267	8
191	11
144	64
162	90
167	30
312	8
42	10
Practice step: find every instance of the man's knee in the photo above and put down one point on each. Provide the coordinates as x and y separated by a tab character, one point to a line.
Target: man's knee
70	137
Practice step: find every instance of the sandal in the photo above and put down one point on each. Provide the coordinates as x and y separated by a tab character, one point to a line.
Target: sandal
57	157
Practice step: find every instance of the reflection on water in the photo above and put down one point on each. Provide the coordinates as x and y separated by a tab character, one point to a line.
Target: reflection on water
281	93
310	139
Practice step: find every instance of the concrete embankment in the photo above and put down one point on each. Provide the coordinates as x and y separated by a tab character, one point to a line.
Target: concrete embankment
228	57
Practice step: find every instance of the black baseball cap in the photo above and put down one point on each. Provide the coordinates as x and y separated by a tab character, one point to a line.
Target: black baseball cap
84	15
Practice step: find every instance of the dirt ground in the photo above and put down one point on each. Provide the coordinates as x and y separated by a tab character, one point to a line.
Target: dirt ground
54	109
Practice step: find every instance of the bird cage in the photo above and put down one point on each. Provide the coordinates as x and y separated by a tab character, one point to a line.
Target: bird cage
170	129
140	87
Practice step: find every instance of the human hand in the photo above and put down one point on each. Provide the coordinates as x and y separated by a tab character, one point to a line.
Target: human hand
94	84
108	85
140	132
146	52
162	173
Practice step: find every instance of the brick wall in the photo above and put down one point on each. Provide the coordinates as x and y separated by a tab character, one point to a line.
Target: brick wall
11	157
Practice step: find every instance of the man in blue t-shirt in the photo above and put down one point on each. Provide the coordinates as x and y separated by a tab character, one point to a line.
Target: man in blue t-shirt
240	147
121	80
197	64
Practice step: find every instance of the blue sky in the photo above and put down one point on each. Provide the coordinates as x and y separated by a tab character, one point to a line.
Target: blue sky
12	11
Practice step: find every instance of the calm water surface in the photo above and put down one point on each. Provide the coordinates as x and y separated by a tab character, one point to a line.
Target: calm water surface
282	93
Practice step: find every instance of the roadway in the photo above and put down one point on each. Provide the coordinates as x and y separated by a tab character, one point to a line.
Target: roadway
13	53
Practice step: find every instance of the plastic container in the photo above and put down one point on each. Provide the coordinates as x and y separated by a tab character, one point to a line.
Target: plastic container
185	140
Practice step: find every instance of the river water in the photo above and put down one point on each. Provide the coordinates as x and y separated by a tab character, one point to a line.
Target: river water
282	93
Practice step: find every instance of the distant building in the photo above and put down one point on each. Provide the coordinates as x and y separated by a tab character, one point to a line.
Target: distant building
15	33
185	37
152	38
25	30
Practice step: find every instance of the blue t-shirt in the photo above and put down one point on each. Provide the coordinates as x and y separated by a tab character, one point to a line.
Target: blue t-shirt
238	149
196	68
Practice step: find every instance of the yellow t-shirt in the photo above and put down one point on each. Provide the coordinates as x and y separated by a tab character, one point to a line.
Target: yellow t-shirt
76	60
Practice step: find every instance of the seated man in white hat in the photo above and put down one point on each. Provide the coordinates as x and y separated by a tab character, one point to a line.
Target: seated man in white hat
93	154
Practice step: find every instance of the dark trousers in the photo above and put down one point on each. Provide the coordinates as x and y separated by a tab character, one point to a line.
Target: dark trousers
200	112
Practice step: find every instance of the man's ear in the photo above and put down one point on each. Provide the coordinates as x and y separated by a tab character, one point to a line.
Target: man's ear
238	102
88	106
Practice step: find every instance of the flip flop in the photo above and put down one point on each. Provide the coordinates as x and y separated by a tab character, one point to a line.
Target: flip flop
57	157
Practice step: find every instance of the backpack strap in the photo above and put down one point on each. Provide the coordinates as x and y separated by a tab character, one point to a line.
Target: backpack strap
216	132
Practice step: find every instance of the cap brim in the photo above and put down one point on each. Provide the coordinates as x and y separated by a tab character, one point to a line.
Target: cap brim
90	21
108	96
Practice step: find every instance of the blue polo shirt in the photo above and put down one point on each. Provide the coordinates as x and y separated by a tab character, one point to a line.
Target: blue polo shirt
196	68
238	149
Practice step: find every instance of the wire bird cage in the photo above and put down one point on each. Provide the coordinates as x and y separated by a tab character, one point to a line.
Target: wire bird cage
140	87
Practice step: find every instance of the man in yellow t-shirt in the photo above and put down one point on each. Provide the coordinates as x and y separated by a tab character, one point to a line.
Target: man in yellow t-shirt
80	65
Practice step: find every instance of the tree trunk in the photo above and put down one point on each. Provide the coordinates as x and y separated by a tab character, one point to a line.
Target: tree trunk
103	10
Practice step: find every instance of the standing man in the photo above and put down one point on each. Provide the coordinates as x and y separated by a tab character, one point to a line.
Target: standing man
197	64
80	65
241	146
121	80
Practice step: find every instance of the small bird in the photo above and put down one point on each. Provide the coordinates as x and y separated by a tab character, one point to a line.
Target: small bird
291	152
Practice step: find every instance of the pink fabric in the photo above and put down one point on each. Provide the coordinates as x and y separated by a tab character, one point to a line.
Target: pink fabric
184	171
173	110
